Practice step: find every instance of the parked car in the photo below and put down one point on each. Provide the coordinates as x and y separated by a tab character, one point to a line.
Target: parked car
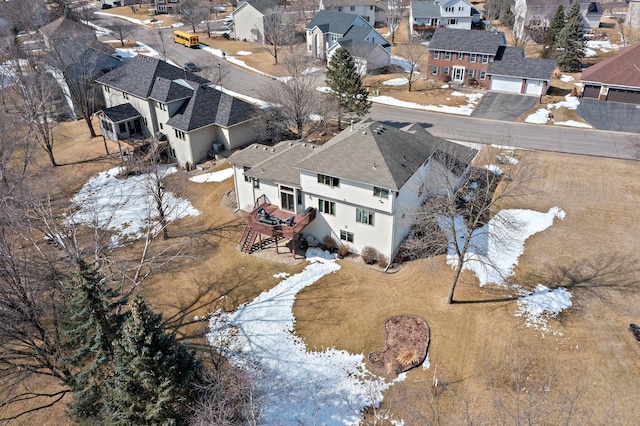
191	67
106	6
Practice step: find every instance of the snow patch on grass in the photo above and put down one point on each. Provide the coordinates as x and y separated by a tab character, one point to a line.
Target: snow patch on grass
542	303
218	176
541	116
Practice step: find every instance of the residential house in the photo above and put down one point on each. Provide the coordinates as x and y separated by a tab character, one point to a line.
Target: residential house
167	6
371	11
427	15
359	188
482	57
633	14
63	29
616	78
328	28
535	15
248	19
166	100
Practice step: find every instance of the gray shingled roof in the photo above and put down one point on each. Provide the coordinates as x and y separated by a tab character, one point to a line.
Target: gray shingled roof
210	106
467	41
138	75
358	49
375	154
277	167
167	90
263	6
331	21
120	113
63	27
510	61
425	9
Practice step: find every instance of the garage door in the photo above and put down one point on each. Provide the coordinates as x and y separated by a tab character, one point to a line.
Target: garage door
621	95
506	84
534	87
591	91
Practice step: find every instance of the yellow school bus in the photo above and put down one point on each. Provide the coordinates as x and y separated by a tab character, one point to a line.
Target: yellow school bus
189	40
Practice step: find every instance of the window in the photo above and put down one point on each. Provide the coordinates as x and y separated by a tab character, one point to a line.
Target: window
448	9
473	57
328	207
445	71
124	95
352	8
485	59
172	153
471	73
329	180
245	169
346	236
162	106
161	127
453	21
460	8
434	70
460	55
179	134
447	56
436	54
122	128
370	7
340	9
144	120
256	183
364	216
483	75
107	89
381	192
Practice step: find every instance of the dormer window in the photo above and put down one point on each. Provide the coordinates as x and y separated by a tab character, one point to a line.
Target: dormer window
448	9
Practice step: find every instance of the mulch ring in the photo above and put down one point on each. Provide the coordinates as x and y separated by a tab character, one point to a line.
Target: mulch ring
407	343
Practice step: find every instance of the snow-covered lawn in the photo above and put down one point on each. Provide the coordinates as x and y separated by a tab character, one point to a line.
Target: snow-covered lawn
573	123
243	53
495	249
218	176
328	387
401	62
566	78
472	100
542	303
541	116
123	205
396	82
604	46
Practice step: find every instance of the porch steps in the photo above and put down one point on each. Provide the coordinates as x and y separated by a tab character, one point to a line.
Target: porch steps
248	238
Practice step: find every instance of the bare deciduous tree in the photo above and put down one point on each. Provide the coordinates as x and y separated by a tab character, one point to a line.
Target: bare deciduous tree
279	31
192	12
161	40
459	204
396	11
414	53
121	29
296	107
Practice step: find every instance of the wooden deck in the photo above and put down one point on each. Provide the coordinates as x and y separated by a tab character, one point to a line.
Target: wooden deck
269	220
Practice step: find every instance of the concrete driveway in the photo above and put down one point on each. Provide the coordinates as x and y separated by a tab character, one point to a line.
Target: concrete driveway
615	116
503	106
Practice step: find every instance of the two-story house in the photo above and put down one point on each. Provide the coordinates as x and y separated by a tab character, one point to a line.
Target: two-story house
482	57
329	30
248	19
427	15
360	187
148	96
537	14
371	11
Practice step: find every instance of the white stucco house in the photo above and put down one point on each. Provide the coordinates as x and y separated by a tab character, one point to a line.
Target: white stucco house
449	13
147	96
360	187
371	11
329	30
248	19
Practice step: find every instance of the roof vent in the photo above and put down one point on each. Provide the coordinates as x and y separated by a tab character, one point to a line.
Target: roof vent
265	148
290	143
256	146
304	144
273	150
262	170
313	147
375	166
364	132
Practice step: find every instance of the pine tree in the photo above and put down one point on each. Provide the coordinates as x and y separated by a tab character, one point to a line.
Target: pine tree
570	42
89	331
555	26
346	86
155	376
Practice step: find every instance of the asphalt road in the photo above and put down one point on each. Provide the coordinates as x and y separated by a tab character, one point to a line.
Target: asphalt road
532	136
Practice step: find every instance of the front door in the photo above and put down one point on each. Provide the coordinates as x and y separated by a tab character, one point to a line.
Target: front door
458	73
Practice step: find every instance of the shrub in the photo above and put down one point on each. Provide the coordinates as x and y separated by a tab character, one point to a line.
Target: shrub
407	358
329	242
382	260
343	250
369	255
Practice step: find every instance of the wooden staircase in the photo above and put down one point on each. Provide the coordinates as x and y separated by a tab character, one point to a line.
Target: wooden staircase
248	238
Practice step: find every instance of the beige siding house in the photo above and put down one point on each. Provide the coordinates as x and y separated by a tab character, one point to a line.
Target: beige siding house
248	19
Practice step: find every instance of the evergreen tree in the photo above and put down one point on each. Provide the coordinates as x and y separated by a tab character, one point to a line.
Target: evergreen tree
90	328
570	42
555	26
155	376
346	86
